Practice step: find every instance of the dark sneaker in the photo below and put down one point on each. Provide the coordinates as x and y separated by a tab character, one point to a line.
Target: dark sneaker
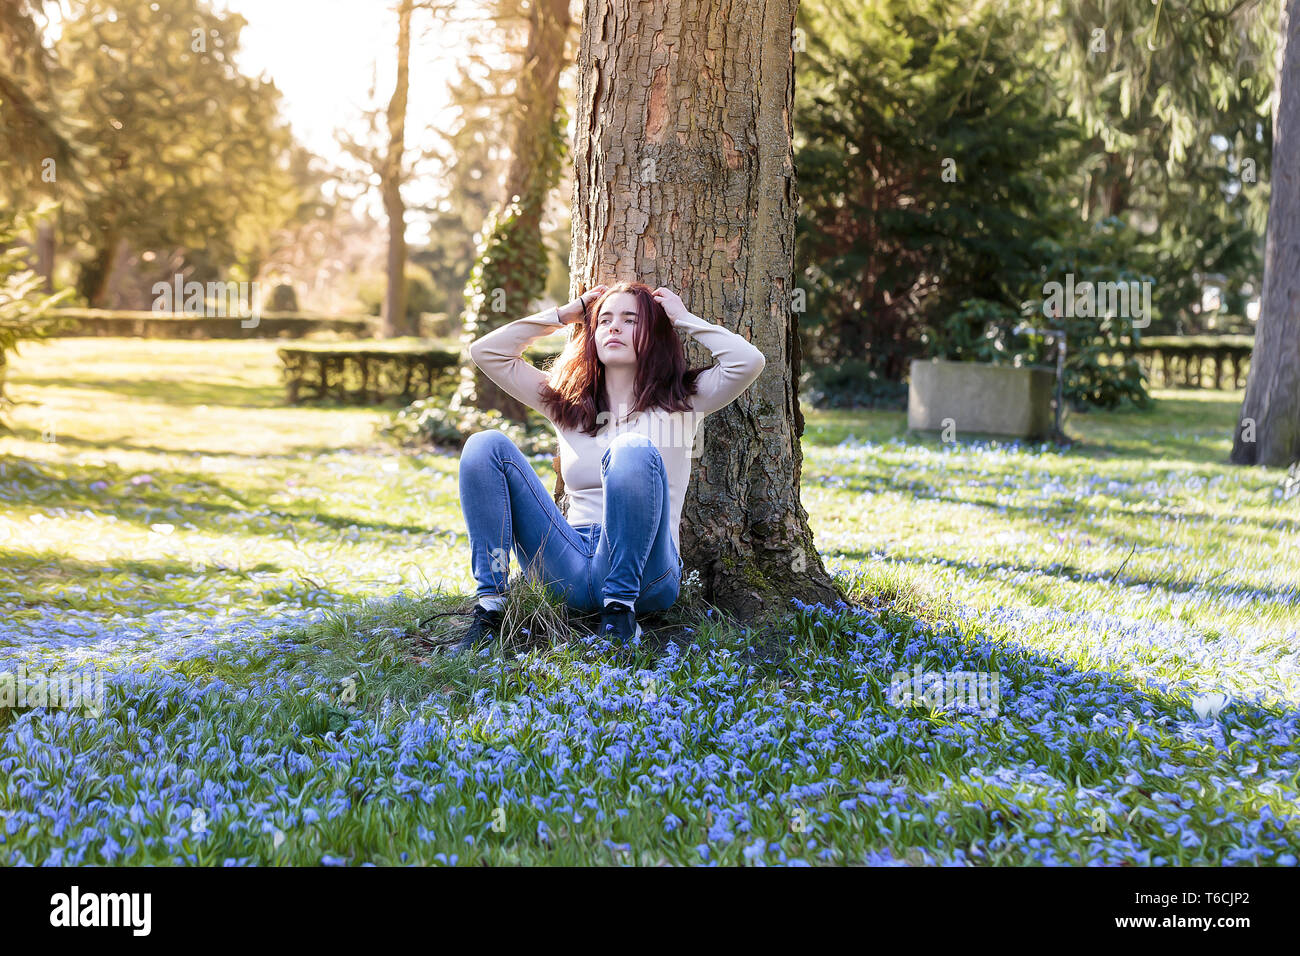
482	630
618	623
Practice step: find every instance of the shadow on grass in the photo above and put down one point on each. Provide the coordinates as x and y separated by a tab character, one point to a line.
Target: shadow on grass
409	640
403	658
1069	572
49	579
61	565
877	484
68	486
295	452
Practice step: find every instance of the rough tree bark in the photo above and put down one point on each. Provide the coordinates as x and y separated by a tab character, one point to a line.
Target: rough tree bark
395	321
685	177
1268	428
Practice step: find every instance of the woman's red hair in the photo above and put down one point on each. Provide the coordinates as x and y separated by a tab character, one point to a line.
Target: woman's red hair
575	394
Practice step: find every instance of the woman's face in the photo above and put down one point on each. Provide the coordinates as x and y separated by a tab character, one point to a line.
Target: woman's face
615	330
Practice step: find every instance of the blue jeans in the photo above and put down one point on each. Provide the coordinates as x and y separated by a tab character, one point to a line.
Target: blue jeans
629	557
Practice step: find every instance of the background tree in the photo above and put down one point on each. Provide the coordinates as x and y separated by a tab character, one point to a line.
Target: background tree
391	176
951	163
685	178
512	263
31	131
472	165
1268	432
1173	101
36	154
927	153
302	249
382	151
24	307
31	138
180	148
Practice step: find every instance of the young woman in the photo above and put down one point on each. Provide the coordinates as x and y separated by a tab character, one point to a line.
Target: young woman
626	410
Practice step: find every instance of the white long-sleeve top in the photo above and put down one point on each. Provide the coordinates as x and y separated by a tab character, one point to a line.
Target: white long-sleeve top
499	354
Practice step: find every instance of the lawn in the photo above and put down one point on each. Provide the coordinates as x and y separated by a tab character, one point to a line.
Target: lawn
247	578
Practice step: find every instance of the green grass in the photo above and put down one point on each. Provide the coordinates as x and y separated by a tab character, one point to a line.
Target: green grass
1142	519
156	490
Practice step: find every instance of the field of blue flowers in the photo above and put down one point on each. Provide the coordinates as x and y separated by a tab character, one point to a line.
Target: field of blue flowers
247	578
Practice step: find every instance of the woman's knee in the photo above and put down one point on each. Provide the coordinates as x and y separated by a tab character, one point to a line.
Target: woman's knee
481	444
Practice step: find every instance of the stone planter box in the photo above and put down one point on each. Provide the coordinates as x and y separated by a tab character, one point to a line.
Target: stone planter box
981	399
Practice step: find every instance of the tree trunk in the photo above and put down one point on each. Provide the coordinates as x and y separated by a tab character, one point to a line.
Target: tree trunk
395	320
1108	188
1120	173
96	274
119	290
539	95
45	247
512	261
1268	429
685	178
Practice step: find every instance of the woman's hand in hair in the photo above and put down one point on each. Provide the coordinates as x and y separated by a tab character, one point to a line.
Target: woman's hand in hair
672	303
576	310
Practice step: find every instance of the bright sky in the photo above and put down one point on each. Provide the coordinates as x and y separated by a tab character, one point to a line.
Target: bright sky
324	56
